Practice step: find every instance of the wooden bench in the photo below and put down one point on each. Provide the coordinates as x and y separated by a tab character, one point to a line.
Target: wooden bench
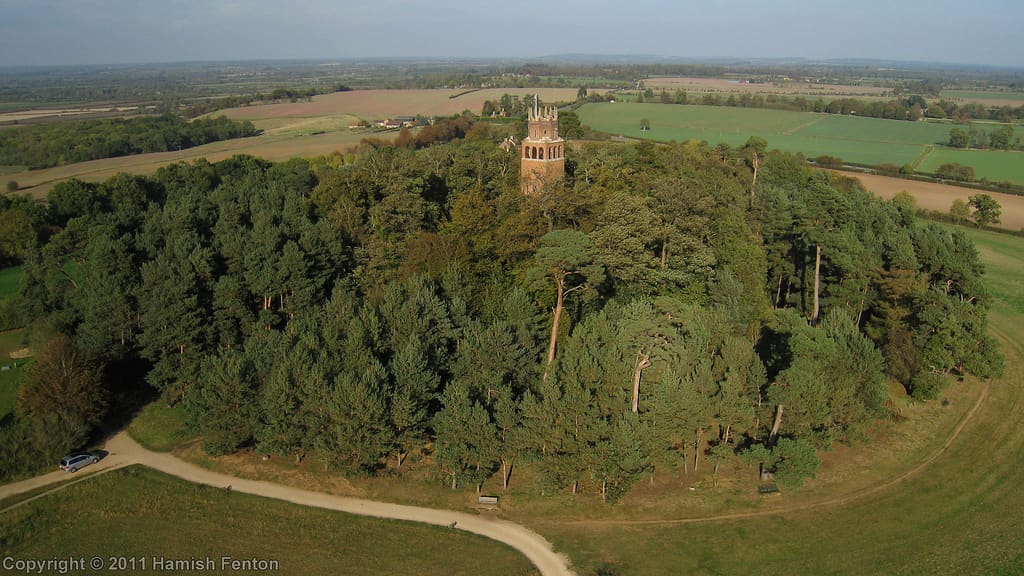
487	500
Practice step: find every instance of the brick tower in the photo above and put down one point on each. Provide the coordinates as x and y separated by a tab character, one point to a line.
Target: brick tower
543	158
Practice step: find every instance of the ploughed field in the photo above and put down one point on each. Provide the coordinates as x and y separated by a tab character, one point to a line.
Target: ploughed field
869	141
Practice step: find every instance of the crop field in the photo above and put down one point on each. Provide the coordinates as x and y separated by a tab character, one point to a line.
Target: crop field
788	88
859	140
289	143
137	512
996	165
381	104
939	197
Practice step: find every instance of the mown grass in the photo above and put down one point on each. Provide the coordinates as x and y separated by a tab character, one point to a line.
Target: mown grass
160	427
140	512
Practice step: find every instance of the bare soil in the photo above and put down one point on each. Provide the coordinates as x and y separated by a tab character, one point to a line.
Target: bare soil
939	197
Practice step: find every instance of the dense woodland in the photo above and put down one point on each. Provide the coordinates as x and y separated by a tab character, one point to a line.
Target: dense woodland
668	308
57	144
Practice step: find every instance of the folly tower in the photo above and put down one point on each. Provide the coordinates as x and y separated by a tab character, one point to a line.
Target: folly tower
543	157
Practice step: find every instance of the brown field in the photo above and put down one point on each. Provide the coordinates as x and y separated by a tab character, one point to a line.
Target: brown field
381	104
939	197
783	87
270	146
60	112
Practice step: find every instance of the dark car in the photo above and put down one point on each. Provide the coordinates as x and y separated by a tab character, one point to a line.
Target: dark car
72	462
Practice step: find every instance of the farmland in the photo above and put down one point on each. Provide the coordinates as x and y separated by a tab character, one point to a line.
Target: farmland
996	165
780	87
859	140
380	104
939	197
304	129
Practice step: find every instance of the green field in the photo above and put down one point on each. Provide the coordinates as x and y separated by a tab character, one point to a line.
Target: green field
983	95
869	141
962	513
996	165
137	512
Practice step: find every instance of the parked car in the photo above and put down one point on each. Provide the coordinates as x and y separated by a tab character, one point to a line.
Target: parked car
72	462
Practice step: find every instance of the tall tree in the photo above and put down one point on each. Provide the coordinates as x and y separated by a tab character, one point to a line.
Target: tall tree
568	258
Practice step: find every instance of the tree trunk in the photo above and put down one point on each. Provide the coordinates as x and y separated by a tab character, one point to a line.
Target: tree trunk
559	306
664	255
401	458
776	425
696	451
860	305
642	361
575	486
778	293
817	284
727	430
506	473
755	163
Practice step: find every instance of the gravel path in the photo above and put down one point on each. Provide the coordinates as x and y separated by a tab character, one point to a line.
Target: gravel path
123	451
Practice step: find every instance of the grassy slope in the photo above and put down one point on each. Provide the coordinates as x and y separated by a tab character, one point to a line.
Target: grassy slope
140	512
963	513
854	139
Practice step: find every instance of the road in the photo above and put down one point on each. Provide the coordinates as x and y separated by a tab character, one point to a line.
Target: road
124	451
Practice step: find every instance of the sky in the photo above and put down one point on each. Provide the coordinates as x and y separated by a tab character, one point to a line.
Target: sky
68	32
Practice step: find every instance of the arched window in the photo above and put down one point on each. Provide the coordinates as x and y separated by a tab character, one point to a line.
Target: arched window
533	153
541	153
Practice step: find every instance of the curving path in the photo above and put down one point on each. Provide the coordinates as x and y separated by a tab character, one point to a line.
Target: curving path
125	451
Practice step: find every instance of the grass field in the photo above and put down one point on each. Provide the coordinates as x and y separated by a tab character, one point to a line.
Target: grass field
996	165
860	140
159	427
142	513
990	97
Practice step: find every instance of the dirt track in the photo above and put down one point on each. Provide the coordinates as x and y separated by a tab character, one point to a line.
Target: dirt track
124	451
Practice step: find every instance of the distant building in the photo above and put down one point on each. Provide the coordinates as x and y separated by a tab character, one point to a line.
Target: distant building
543	151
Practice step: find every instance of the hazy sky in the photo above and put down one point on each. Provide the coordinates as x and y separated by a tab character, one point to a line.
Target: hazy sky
121	31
